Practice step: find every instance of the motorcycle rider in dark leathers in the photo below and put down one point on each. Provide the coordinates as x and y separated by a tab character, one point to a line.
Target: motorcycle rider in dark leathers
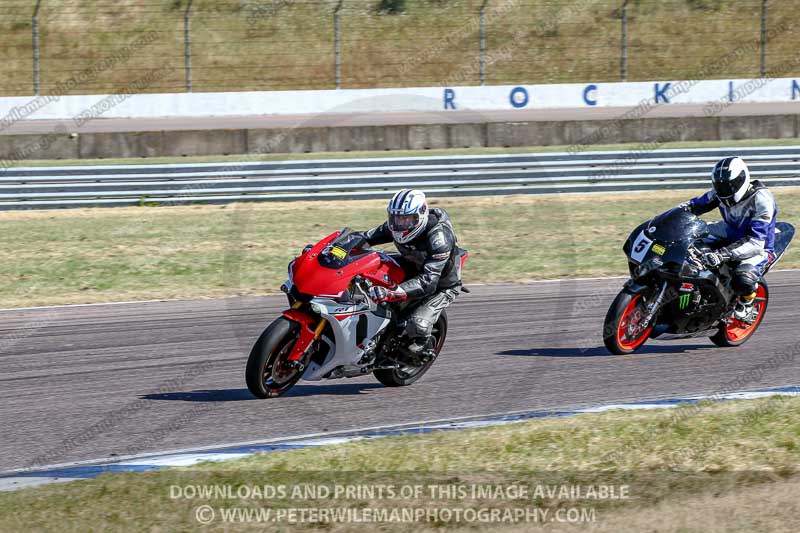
431	258
747	231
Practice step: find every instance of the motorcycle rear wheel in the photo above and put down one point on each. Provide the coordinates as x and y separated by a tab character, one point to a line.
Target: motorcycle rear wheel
401	377
736	333
625	308
267	374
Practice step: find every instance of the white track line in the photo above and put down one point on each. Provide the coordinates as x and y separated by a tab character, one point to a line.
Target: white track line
27	478
337	437
276	440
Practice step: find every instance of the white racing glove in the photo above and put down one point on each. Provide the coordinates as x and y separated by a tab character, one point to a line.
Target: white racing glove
715	259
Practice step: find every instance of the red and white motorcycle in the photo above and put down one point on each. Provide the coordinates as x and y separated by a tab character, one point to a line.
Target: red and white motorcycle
333	329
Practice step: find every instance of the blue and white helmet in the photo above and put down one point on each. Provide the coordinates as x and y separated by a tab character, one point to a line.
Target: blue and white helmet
408	215
731	180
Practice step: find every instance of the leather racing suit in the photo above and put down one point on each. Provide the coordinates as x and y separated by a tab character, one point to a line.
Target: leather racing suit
432	262
747	230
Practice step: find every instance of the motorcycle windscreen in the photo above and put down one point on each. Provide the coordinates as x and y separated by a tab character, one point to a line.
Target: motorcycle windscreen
345	249
351	254
676	225
328	268
667	238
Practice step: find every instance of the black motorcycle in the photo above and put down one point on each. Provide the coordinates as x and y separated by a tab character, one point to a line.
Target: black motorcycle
673	295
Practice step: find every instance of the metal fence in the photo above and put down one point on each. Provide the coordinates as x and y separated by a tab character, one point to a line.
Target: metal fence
105	46
540	173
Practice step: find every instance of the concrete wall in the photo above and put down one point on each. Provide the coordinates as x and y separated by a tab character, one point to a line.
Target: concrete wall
714	94
406	137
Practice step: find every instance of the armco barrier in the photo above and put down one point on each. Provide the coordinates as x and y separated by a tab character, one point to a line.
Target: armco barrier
536	173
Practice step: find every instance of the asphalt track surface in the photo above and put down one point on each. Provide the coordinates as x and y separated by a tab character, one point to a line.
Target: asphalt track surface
347	118
89	382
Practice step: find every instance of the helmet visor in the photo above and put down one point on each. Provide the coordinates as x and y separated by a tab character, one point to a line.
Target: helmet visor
403	222
726	189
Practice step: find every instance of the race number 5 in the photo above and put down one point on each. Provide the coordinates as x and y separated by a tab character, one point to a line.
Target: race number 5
640	247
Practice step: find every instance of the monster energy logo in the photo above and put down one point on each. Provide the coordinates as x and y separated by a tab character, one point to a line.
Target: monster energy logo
683	302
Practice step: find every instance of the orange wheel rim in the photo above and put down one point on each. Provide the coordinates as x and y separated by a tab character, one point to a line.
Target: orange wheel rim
736	330
630	319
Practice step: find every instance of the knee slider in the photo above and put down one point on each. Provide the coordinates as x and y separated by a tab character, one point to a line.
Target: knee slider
745	279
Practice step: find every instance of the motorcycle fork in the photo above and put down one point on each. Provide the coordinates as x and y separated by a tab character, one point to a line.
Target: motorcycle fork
309	333
653	308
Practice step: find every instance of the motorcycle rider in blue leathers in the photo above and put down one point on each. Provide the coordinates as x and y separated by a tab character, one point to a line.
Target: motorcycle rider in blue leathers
746	231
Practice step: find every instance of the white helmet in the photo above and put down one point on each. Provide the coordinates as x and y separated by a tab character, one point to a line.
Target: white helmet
731	180
408	215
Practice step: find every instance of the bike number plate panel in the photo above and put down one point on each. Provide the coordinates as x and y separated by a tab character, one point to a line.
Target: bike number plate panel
640	247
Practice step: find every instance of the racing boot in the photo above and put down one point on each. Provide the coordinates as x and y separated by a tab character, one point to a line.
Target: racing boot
422	349
744	309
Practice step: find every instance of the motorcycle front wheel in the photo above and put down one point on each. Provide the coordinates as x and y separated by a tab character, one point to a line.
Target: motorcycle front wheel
621	332
268	372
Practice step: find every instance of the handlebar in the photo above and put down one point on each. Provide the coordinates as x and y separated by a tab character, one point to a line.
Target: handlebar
695	257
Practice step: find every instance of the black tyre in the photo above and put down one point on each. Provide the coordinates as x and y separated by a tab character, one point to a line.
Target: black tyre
620	329
400	377
736	333
267	374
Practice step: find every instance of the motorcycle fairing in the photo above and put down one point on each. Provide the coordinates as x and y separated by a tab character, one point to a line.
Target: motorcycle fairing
783	237
348	343
661	247
666	239
327	269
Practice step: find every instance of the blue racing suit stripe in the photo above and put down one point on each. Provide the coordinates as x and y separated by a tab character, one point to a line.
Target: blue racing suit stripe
704	203
751	220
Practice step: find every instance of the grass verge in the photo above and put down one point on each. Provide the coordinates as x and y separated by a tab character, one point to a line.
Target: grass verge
289	44
695	468
389	153
98	255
